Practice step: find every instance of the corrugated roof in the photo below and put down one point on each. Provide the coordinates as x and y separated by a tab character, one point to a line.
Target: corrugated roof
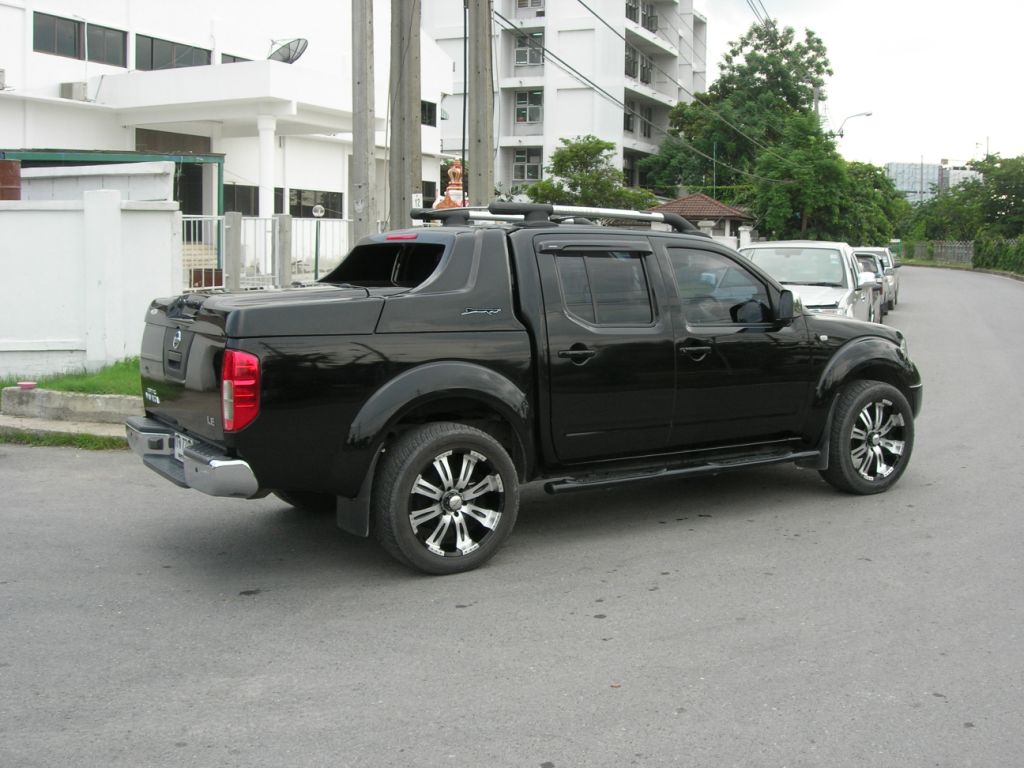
700	207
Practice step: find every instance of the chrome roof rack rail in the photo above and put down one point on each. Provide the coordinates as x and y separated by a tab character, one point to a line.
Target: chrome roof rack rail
546	215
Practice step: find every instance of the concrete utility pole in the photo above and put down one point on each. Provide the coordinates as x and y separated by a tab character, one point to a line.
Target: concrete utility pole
362	173
480	102
405	156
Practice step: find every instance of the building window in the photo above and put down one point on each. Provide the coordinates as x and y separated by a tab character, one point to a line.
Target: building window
646	68
530	49
61	37
649	18
629	116
428	113
629	169
526	164
429	193
106	46
302	201
529	3
154	53
227	58
647	116
78	40
632	61
529	106
633	10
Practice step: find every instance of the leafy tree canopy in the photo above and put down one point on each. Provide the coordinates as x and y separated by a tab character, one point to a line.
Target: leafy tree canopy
767	76
581	173
992	206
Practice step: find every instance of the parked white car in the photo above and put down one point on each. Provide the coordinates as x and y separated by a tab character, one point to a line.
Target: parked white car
890	267
825	275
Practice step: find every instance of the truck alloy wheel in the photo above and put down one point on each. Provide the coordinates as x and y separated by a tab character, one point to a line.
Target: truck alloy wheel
446	498
872	437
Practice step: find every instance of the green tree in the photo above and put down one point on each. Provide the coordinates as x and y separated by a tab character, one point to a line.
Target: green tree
806	204
581	173
767	76
1002	202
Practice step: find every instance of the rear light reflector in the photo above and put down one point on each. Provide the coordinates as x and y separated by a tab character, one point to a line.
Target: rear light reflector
240	389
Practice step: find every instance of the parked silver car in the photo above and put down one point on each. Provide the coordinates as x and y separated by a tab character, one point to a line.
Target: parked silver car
890	267
825	275
870	262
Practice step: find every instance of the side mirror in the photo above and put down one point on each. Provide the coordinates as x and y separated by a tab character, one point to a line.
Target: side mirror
865	280
785	313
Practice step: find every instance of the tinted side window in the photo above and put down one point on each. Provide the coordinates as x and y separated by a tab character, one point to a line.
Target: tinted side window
715	290
606	287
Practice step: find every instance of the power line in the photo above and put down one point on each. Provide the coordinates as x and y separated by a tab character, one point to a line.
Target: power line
580	77
692	95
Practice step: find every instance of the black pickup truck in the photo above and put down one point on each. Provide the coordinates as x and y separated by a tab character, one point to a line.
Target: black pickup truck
414	388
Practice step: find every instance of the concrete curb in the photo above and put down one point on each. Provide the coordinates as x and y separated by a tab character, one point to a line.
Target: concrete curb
68	406
45	411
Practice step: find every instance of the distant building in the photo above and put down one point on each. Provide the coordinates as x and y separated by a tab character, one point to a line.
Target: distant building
562	71
916	181
922	181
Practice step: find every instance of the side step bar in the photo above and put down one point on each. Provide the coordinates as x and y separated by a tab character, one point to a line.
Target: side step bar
712	467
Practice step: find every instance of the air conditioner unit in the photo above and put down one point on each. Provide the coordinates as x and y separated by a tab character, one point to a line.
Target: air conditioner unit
73	91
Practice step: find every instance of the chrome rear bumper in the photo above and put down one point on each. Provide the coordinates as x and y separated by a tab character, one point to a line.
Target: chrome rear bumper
203	467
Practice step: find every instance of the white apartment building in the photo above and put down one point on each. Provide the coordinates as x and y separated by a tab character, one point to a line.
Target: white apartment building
92	81
567	68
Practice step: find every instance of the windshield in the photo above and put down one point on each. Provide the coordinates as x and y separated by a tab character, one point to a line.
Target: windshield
801	266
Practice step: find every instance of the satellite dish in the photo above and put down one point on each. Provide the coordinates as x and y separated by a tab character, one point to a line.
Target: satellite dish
289	51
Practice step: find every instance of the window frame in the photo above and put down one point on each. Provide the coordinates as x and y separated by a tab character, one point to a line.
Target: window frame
531	44
525	163
593	251
176	52
77	27
428	113
762	291
529	108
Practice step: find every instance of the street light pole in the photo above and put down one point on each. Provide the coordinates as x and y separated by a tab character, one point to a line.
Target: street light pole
859	114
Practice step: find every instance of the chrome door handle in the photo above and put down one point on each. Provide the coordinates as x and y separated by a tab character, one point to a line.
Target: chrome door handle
697	352
577	354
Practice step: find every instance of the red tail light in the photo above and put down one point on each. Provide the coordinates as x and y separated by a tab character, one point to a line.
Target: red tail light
240	389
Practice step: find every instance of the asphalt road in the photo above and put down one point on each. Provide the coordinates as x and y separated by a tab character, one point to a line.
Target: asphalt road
757	619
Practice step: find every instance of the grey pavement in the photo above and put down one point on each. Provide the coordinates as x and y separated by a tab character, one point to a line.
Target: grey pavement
755	619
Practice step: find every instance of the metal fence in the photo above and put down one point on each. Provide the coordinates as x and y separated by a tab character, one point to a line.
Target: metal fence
310	247
318	246
948	251
202	252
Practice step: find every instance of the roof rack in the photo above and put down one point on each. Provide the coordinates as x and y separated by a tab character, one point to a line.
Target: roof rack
546	215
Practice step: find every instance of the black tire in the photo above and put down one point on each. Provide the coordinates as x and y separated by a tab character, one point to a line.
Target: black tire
319	503
871	440
445	498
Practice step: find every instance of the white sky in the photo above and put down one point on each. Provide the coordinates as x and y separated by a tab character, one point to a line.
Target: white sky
941	78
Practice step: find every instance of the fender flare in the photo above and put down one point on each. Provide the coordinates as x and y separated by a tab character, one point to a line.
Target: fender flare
860	353
414	387
434	381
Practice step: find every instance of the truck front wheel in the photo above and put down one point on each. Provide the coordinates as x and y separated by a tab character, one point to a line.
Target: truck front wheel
872	437
445	498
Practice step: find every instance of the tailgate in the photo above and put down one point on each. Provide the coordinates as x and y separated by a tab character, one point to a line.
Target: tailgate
180	365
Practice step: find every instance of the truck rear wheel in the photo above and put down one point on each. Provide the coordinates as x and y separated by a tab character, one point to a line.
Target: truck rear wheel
872	437
445	498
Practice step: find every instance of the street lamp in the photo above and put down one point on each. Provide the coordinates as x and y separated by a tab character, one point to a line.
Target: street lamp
859	114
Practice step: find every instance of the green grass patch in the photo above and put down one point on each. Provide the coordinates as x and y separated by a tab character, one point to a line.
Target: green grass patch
933	263
63	440
121	378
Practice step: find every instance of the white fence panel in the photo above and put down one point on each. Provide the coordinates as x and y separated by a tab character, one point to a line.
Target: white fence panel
257	253
202	252
318	246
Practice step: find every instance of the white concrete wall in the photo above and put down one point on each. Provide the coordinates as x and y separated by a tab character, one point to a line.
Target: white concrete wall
78	277
135	181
